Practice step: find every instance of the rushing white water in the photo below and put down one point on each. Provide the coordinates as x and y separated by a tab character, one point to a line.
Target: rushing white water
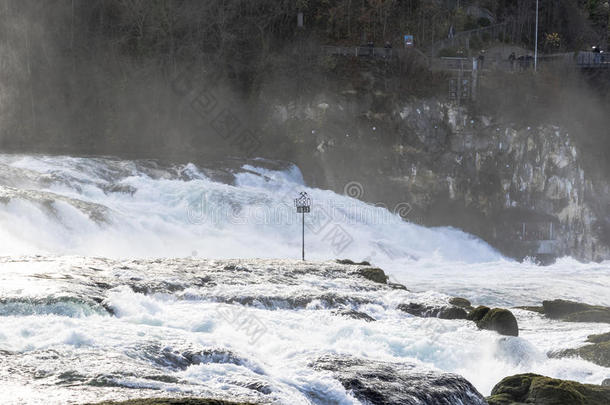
57	206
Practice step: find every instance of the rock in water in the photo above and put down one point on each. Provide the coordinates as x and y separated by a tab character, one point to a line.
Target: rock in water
606	382
460	302
382	383
374	274
598	352
350	313
539	390
172	401
478	313
557	309
351	262
429	311
501	320
603	337
571	311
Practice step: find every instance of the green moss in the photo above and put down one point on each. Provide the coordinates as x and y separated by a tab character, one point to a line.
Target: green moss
540	390
500	320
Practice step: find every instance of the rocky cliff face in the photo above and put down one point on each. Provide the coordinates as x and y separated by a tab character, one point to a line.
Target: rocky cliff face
522	188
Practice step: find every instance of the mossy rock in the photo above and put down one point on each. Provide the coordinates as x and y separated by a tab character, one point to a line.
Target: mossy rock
571	311
557	309
351	262
429	311
172	401
374	274
500	320
593	315
604	337
478	313
453	313
598	353
539	390
460	302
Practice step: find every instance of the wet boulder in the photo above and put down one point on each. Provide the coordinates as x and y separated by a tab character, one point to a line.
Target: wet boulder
173	401
452	313
430	311
478	313
539	390
597	352
603	337
350	313
351	262
460	302
500	320
374	274
384	383
571	311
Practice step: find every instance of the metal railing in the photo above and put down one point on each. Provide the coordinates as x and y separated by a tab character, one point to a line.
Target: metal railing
361	51
462	38
593	60
452	63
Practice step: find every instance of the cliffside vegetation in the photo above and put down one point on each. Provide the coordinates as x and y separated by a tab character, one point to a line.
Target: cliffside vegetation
94	75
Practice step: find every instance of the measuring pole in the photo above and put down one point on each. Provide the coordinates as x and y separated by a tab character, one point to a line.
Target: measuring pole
536	45
303	205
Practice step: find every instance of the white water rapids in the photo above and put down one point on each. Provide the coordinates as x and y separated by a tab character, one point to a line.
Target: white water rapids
70	210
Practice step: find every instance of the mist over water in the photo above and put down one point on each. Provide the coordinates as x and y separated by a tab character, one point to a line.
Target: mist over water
114	208
110	208
141	210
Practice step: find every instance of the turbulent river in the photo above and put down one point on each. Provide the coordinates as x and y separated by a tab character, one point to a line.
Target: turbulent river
125	279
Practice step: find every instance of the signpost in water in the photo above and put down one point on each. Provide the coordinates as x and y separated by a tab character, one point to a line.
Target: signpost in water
303	204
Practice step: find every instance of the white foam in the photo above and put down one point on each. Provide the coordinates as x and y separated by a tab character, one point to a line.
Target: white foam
170	215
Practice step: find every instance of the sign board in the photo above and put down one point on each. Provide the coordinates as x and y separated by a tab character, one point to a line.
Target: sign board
304	209
408	41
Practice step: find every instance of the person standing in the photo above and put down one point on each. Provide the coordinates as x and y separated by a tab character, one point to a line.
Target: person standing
597	55
511	59
481	60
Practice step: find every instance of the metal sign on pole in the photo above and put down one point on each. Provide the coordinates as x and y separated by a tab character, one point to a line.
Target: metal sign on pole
303	205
